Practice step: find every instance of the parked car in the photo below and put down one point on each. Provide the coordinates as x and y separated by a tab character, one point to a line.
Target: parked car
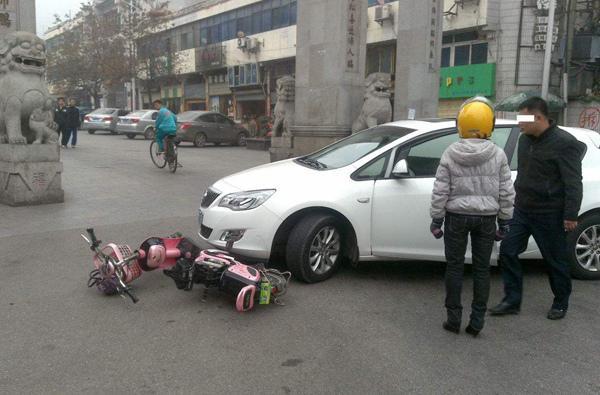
201	127
139	122
102	119
83	111
367	198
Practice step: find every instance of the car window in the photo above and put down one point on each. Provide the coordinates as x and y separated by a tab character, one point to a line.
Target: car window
122	113
374	169
210	118
154	115
220	119
423	159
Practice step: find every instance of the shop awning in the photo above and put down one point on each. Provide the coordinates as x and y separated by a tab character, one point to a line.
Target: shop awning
249	95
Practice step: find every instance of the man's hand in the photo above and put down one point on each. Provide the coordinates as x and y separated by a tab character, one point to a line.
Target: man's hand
570	225
503	229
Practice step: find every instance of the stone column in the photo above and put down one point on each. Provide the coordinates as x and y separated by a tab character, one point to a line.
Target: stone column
17	15
330	72
418	59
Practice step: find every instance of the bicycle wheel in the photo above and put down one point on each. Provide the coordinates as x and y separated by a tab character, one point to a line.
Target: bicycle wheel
158	160
173	159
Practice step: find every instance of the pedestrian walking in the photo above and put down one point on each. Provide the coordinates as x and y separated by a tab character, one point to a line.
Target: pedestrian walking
549	190
472	191
72	124
60	118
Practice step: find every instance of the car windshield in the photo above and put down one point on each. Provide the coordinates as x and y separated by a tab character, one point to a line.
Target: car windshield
188	116
103	111
353	148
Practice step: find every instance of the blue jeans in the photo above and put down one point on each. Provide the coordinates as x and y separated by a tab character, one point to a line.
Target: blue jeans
73	137
482	230
548	231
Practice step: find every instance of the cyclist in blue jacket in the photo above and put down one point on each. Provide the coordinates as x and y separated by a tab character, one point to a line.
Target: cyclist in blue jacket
166	124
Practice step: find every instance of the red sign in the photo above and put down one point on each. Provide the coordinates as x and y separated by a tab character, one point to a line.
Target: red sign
590	118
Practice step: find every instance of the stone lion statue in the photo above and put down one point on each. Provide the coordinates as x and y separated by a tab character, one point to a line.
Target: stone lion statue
284	108
25	104
377	108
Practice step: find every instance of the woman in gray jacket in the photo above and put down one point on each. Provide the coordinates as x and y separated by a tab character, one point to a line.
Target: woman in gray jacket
472	191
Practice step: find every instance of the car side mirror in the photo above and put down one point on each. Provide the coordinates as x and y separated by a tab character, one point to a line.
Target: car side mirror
400	169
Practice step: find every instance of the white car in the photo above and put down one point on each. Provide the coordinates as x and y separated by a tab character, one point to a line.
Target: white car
367	198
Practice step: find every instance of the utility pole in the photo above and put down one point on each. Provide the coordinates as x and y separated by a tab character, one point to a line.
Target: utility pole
548	53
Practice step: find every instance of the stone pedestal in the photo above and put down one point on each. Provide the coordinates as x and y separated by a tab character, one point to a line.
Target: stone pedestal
281	148
330	73
30	174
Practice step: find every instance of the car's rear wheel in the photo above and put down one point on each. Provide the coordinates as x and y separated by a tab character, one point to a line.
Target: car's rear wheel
149	134
130	136
199	139
241	139
314	248
91	131
113	132
584	249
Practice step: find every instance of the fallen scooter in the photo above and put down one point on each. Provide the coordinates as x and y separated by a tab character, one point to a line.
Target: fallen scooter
116	266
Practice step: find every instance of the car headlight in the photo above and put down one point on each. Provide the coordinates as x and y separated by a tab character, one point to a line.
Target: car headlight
247	200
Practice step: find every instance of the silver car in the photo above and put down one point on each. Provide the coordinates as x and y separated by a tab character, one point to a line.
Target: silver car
102	119
139	122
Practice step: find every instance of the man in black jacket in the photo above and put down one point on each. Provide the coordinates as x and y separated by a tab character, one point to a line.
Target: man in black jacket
73	122
548	198
60	118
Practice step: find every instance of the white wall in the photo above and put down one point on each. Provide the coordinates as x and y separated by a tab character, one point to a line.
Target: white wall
472	13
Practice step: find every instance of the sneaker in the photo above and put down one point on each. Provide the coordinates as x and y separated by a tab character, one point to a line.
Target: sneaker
451	327
159	153
472	331
63	147
504	309
556	314
73	146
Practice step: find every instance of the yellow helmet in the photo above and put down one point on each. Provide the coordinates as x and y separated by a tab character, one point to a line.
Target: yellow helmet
476	118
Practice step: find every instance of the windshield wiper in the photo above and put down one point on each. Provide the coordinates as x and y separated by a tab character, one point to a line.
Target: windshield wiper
312	163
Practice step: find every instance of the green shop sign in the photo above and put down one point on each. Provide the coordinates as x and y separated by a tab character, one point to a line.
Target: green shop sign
467	81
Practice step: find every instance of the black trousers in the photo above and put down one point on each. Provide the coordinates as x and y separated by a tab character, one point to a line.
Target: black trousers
457	229
549	234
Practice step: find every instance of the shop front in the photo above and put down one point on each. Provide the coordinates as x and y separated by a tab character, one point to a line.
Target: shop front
194	92
462	82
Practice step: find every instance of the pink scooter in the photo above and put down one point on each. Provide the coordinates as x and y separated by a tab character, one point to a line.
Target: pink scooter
116	266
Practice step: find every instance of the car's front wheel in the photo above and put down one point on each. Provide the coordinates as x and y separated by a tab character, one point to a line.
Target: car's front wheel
130	136
314	248
199	140
91	131
584	249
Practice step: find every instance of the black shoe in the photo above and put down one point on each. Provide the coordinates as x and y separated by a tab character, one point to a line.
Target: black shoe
556	314
504	309
451	328
472	331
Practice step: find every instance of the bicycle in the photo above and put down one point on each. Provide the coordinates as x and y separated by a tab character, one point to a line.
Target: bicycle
168	157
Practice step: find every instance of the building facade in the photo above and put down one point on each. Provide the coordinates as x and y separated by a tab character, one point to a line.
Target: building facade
227	54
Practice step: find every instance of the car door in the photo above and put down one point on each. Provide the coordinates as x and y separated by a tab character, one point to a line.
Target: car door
223	129
207	125
400	219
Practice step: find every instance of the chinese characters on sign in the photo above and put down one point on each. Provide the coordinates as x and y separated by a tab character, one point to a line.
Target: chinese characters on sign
352	36
7	14
590	118
433	36
39	181
540	29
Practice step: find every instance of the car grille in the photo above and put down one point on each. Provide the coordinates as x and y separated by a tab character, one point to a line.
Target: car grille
209	197
205	231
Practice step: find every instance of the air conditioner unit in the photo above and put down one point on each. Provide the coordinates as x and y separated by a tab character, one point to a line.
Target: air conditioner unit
253	45
242	42
383	12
